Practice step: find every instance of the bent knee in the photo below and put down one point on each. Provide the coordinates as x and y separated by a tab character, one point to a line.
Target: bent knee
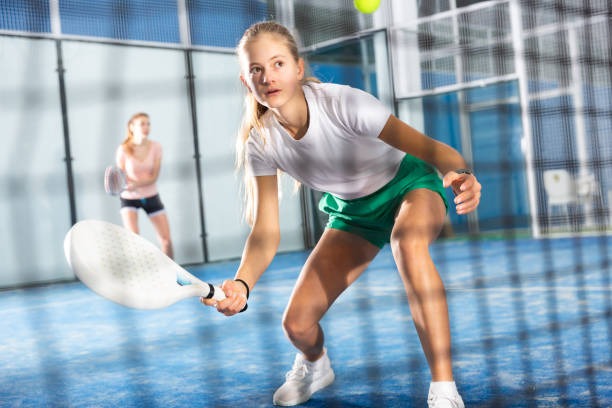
415	236
410	239
296	327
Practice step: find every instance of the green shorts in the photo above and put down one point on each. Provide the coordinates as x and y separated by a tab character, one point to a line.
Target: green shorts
372	217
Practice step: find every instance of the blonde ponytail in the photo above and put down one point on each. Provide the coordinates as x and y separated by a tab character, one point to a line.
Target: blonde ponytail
253	111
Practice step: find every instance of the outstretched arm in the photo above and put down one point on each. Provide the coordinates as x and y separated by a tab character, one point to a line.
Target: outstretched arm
446	159
259	250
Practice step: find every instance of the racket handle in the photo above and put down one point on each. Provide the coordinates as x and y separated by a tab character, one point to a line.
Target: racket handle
215	293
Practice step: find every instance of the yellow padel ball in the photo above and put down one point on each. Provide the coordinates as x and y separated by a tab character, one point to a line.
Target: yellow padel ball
366	6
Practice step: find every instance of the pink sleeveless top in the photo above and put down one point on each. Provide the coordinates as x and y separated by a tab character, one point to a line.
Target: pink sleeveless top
138	169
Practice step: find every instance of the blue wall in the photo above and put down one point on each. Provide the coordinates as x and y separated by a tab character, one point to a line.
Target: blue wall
218	23
29	16
495	132
341	74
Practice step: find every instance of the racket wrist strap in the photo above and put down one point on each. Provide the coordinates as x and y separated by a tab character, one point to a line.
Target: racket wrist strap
246	285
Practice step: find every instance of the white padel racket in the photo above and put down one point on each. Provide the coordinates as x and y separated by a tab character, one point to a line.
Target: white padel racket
124	267
115	181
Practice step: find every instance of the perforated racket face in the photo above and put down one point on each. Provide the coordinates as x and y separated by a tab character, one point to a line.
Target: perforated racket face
114	180
126	268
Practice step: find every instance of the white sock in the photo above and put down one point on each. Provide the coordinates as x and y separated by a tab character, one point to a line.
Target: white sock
447	388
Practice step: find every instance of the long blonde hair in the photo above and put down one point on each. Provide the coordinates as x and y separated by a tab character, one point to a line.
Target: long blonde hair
253	110
127	143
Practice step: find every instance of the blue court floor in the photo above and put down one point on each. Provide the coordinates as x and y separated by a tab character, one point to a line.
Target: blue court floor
531	323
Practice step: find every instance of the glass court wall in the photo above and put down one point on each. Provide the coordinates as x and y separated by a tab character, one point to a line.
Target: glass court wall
34	199
94	65
520	88
523	90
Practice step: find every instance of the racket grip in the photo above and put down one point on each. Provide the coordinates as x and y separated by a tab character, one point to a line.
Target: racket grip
215	293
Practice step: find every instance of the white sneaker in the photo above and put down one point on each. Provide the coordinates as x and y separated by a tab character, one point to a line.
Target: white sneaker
304	379
444	395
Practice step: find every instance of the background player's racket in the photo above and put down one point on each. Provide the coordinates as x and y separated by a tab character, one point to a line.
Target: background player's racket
114	180
127	269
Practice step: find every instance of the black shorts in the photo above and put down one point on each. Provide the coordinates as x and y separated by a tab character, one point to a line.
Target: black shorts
151	205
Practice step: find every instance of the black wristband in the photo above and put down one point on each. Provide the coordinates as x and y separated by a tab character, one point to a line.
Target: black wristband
463	171
246	285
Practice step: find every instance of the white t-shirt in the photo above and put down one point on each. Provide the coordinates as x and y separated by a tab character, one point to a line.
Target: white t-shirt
340	153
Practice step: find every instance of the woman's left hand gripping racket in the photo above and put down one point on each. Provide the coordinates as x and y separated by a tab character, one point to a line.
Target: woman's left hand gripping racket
127	269
115	181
